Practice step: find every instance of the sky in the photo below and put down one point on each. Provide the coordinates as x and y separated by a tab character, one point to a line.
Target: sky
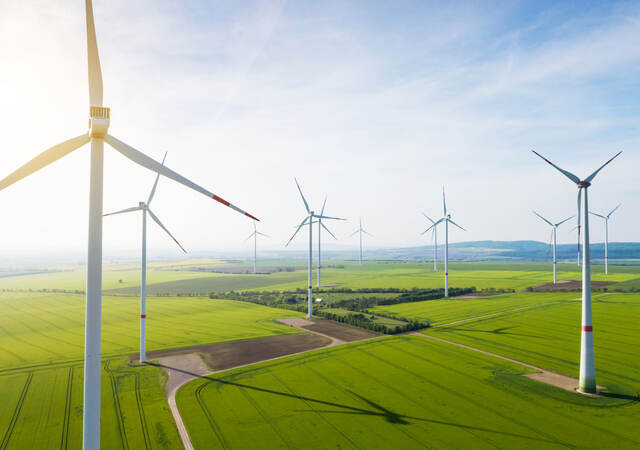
376	105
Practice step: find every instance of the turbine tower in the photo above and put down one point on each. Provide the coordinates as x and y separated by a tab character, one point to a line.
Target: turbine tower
606	236
99	117
587	381
554	228
361	230
435	242
446	219
144	207
310	216
254	235
320	227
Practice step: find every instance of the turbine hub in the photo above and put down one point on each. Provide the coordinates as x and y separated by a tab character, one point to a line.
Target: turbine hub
142	205
98	121
584	184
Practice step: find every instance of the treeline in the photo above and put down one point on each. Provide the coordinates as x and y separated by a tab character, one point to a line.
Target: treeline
361	320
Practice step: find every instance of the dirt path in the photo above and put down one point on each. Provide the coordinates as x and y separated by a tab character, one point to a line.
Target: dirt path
541	375
183	368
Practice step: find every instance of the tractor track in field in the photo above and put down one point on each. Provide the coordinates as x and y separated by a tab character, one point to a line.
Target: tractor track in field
116	405
16	413
64	441
143	417
214	426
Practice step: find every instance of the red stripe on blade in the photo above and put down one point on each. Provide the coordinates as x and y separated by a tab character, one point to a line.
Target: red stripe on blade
587	328
221	200
252	217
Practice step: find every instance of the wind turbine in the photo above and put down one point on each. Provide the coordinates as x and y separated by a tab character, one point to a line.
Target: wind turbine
360	230
435	242
587	381
310	216
320	226
446	219
554	228
97	134
606	236
144	207
254	235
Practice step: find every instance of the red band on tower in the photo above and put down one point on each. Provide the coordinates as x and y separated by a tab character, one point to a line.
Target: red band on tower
143	316
587	328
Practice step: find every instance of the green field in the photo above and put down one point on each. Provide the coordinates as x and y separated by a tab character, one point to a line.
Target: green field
400	392
549	337
447	310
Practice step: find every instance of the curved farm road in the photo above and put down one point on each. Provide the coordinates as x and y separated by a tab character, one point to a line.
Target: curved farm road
183	368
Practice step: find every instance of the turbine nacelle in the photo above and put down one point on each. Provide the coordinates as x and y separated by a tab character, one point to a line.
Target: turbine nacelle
98	121
142	205
584	184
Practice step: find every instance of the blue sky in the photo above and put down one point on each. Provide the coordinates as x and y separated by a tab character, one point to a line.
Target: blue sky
375	104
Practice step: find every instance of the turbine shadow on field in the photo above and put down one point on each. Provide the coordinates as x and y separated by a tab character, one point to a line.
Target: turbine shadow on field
494	331
377	410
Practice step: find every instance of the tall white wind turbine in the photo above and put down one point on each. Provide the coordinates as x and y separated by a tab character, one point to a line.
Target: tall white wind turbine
359	231
144	207
320	227
254	235
97	135
435	242
554	228
446	219
587	382
606	236
309	219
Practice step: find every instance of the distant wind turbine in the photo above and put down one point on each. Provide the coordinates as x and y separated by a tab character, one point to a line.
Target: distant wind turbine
554	228
309	219
435	242
254	235
587	382
606	236
99	117
360	230
446	219
320	227
144	207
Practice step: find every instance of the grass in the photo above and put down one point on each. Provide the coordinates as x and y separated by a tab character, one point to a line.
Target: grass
43	408
451	309
549	337
399	392
31	322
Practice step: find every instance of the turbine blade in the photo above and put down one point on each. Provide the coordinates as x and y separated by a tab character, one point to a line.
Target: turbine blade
262	234
367	233
614	210
543	218
444	202
155	184
95	73
592	176
328	231
457	225
329	217
354	233
560	223
297	229
306	205
428	218
135	208
569	175
44	159
156	220
142	159
250	236
433	226
599	215
323	205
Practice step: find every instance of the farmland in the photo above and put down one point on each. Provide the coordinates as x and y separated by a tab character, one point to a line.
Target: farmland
399	392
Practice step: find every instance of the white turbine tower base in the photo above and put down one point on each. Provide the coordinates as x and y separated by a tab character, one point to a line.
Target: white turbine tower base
587	381
554	229
309	218
606	236
446	219
99	117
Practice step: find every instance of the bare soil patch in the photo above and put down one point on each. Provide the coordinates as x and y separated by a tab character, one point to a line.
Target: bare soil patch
569	286
225	355
340	331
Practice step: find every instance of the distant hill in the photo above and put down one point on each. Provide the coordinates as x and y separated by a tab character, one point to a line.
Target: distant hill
509	250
